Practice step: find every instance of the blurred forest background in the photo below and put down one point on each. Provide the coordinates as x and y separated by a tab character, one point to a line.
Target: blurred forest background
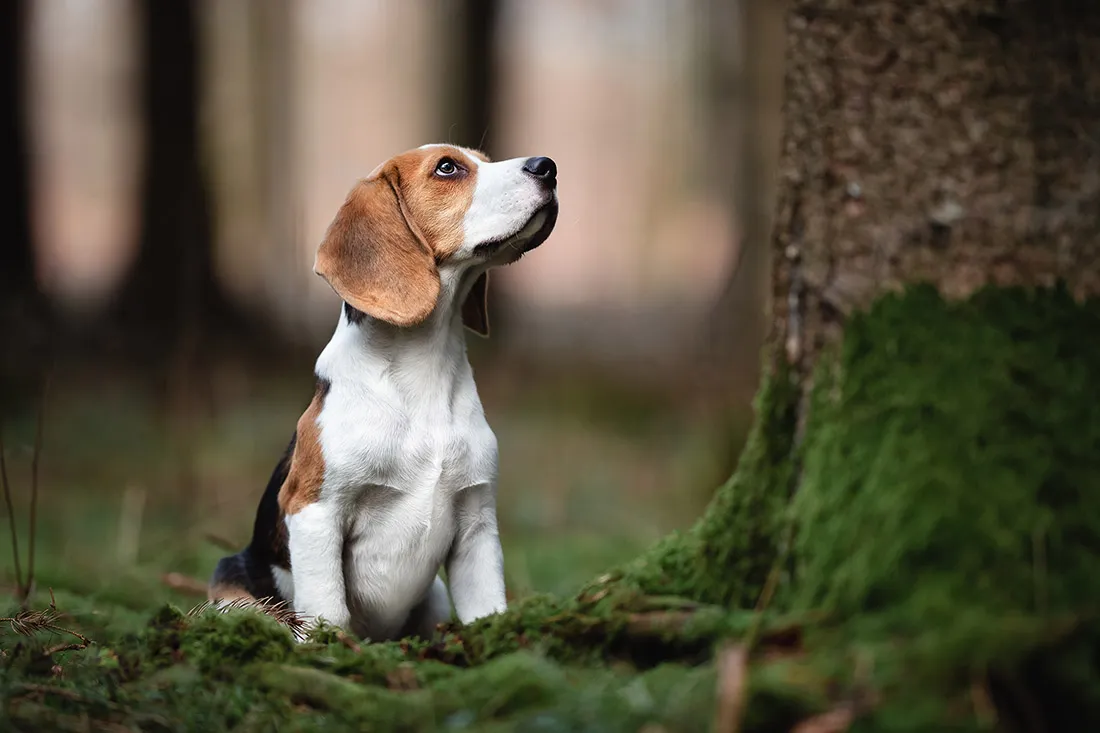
173	165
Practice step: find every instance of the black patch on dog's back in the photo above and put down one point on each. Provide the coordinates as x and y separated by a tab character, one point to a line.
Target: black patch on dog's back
269	543
269	540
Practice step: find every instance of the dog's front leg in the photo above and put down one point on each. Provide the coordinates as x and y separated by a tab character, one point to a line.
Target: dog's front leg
475	566
316	543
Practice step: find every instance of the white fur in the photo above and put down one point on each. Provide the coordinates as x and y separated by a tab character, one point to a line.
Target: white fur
410	461
503	202
284	582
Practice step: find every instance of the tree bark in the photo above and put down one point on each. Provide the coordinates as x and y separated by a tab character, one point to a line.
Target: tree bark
953	142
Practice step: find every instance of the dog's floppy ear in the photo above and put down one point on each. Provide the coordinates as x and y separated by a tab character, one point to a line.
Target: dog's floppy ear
375	260
475	309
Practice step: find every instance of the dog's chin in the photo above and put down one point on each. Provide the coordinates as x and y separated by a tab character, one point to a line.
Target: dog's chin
534	232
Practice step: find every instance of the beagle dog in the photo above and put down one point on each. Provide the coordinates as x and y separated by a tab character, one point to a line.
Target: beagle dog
391	473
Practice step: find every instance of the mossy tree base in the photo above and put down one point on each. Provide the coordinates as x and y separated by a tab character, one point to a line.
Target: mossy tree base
926	556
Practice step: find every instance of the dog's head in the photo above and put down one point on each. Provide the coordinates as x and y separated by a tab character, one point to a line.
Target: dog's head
436	209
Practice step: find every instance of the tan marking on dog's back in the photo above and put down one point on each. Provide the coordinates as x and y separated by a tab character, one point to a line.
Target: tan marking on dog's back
307	467
228	593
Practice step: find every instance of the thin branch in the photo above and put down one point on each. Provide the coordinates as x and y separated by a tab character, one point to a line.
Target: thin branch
28	623
184	584
221	542
349	642
72	647
11	516
34	488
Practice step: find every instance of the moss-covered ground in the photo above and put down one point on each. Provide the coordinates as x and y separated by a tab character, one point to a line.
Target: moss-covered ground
926	559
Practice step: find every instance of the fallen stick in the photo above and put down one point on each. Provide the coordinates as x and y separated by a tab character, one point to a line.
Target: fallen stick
184	584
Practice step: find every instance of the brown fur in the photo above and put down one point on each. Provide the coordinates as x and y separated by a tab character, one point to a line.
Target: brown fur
381	250
228	592
436	205
307	468
374	261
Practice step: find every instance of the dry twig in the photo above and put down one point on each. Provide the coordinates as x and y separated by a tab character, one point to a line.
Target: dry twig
349	642
220	542
29	623
184	584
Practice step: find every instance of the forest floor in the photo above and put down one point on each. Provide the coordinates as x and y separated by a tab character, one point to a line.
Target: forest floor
923	558
136	505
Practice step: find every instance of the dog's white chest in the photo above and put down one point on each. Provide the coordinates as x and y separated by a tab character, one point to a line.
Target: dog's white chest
399	450
380	440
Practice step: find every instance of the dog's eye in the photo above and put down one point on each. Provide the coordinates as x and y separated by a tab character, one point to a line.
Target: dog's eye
446	167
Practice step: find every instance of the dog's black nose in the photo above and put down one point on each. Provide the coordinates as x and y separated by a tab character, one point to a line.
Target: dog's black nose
543	168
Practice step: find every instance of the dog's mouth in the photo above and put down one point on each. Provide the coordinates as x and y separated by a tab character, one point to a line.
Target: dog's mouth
530	236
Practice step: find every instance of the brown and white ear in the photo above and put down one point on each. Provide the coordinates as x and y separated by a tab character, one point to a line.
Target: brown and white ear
475	309
375	261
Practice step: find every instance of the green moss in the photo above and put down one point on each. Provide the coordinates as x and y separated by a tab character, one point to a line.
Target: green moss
950	493
952	462
221	642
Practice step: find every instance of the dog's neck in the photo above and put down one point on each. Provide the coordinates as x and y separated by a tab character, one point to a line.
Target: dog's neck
425	359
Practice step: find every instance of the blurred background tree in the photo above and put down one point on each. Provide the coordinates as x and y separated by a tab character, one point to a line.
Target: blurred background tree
23	311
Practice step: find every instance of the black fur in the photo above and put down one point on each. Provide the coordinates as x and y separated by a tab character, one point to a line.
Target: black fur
355	316
268	533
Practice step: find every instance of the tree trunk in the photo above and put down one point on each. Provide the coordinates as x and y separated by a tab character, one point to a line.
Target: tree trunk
24	317
171	298
951	142
926	457
469	33
17	272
